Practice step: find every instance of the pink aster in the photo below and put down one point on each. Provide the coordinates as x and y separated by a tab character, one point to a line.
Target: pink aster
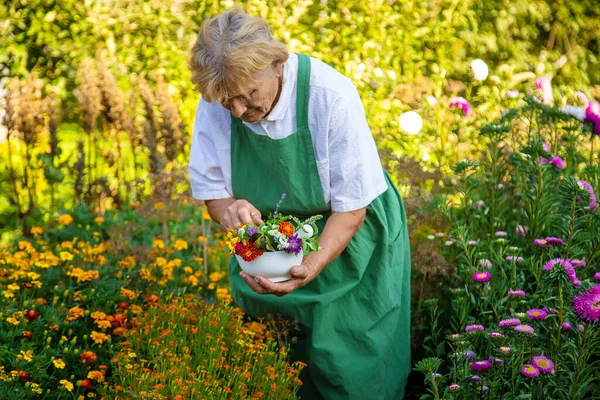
543	84
454	386
593	204
582	98
555	160
530	371
461	103
485	263
501	234
505	349
597	276
542	243
476	327
514	258
509	322
577	263
518	293
481	365
587	305
524	329
567	326
592	115
536	313
496	335
580	327
521	230
567	266
482	276
544	364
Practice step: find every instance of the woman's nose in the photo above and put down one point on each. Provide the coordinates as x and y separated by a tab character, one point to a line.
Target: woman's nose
238	108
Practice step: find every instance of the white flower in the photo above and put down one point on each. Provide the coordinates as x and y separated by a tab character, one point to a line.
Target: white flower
301	234
577	112
432	100
480	69
411	122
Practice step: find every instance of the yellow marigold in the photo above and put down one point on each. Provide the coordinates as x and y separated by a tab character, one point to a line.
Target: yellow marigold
203	239
130	294
205	215
103	324
188	270
128	261
67	245
98	220
66	256
193	280
158	244
215	276
13	286
75	313
68	385
136	309
25	245
98	338
96	315
96	375
65	219
159	206
36	231
59	363
8	294
12	320
26	355
180	244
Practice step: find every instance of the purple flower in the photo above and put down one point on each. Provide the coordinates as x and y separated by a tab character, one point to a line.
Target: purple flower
472	242
505	349
476	327
587	305
548	242
461	103
496	335
554	240
546	147
485	263
481	365
568	267
454	386
524	329
592	115
252	230
582	98
543	84
469	354
501	234
475	378
593	200
479	204
536	313
518	293
567	326
580	327
521	230
295	245
597	276
514	258
556	161
500	186
577	263
530	371
544	364
482	276
509	322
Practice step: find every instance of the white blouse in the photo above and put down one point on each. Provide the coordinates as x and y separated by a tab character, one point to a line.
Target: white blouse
347	160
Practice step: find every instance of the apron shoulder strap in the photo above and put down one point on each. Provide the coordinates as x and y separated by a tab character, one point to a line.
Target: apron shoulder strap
302	92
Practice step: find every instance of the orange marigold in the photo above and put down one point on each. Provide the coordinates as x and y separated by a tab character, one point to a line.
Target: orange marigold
88	356
286	228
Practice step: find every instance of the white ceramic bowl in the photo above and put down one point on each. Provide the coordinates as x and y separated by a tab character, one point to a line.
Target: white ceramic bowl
274	266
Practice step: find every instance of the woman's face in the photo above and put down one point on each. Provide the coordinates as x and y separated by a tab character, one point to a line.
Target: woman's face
262	95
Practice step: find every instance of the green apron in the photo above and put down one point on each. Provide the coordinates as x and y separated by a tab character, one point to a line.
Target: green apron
356	314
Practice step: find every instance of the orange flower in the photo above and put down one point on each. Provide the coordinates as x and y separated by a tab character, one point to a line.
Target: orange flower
96	375
36	231
286	228
99	337
88	356
75	313
65	219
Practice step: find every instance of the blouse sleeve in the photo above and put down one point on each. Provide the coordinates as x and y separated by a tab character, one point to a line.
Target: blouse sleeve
356	174
206	175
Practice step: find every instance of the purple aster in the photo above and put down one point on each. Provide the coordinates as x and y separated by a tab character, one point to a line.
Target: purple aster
542	363
499	361
519	293
496	335
485	389
521	230
454	386
478	204
587	305
482	276
543	85
509	322
252	231
568	267
548	242
542	243
476	327
505	349
530	371
580	327
577	263
469	354
485	263
592	115
461	103
481	365
536	313
475	378
500	186
555	160
524	329
546	147
567	326
593	200
597	276
501	234
514	258
295	245
554	240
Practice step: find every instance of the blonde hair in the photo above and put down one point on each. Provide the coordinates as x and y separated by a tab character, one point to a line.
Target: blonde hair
230	50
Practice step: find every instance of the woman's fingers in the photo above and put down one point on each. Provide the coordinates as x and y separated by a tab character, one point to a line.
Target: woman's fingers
250	281
255	214
244	216
278	288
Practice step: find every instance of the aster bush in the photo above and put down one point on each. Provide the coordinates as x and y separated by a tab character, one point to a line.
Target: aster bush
523	316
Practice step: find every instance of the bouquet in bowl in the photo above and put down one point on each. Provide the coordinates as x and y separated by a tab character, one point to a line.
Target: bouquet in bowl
274	247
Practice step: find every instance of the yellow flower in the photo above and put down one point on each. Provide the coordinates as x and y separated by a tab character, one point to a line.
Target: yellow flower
132	355
204	239
205	215
98	220
65	219
8	294
158	244
159	206
188	270
97	315
103	324
180	244
98	338
27	355
215	276
96	375
75	313
36	231
66	256
68	385
130	294
12	320
13	286
60	364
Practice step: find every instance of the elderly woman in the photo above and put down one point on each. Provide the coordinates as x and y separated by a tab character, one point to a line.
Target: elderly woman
268	123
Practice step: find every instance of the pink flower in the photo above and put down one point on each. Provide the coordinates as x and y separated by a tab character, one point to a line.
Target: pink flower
509	322
548	242
593	200
461	103
505	349
582	98
524	329
536	313
543	84
518	293
556	161
567	326
580	327
501	234
544	364
514	258
597	276
482	276
530	371
481	365
577	263
500	186
568	267
587	305
454	386
521	230
592	115
476	327
485	263
546	147
496	335
511	93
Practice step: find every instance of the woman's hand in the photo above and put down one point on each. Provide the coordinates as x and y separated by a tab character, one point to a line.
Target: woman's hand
301	275
231	213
